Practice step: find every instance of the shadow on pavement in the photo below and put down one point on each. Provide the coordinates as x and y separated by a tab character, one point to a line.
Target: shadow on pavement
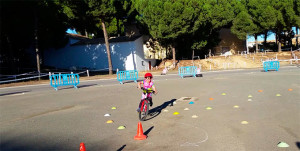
148	131
79	86
157	110
121	148
86	85
131	81
25	143
12	93
298	145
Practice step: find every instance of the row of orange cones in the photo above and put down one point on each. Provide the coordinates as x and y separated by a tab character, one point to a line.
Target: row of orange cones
139	136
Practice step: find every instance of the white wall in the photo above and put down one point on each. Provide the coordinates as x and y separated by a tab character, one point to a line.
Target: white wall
143	64
125	56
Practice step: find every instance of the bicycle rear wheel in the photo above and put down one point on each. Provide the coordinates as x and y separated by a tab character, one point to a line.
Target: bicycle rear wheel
144	110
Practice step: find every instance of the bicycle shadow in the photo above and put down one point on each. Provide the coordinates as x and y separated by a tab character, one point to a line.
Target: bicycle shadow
157	110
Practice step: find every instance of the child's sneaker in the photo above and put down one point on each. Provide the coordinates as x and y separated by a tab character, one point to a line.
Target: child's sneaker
151	103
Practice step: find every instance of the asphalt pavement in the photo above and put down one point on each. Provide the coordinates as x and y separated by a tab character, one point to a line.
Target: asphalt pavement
226	110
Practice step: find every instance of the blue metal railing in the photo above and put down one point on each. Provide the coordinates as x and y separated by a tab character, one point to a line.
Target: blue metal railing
127	75
187	71
271	65
57	80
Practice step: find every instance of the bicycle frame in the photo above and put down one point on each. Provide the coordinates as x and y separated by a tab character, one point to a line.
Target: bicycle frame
144	105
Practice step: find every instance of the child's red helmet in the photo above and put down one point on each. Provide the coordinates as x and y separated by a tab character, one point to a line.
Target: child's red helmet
148	75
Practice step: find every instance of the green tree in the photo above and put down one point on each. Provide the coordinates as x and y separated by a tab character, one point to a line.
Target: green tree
91	15
168	20
24	24
78	16
222	13
125	14
286	18
263	16
243	25
104	11
297	11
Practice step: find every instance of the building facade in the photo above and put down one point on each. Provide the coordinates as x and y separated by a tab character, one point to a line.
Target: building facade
127	53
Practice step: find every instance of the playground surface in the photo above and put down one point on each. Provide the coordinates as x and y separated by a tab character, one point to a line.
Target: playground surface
236	111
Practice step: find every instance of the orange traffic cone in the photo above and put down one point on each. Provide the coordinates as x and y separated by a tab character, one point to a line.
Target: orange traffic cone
82	147
140	135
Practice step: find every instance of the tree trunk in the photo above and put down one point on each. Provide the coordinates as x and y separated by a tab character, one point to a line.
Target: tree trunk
107	48
265	38
86	34
276	38
118	28
279	42
297	45
193	54
256	43
11	60
247	49
174	56
37	45
279	46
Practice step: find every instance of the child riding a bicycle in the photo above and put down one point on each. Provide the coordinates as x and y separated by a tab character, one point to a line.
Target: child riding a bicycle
148	85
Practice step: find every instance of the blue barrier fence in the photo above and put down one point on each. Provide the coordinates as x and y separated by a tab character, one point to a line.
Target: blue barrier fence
187	71
127	75
57	80
271	65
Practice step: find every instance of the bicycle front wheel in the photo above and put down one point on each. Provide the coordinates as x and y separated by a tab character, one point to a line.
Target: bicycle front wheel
144	110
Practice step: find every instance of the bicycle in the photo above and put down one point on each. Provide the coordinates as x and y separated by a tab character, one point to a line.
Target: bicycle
144	105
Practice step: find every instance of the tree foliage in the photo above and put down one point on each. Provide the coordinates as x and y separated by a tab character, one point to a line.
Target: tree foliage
20	20
169	20
243	25
184	24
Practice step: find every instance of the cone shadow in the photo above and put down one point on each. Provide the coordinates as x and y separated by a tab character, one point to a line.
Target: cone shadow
121	148
148	131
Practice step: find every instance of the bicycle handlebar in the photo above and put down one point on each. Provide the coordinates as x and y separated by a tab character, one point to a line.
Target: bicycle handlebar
147	91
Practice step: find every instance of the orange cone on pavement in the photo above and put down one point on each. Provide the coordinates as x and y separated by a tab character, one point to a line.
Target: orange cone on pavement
82	147
140	134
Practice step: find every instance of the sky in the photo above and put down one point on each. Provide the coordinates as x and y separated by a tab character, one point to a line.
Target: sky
71	31
250	38
270	37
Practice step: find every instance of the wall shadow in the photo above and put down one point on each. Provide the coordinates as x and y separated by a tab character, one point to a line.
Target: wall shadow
157	110
14	144
29	142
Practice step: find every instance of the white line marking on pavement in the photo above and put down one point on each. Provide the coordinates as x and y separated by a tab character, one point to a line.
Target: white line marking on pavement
197	143
16	94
